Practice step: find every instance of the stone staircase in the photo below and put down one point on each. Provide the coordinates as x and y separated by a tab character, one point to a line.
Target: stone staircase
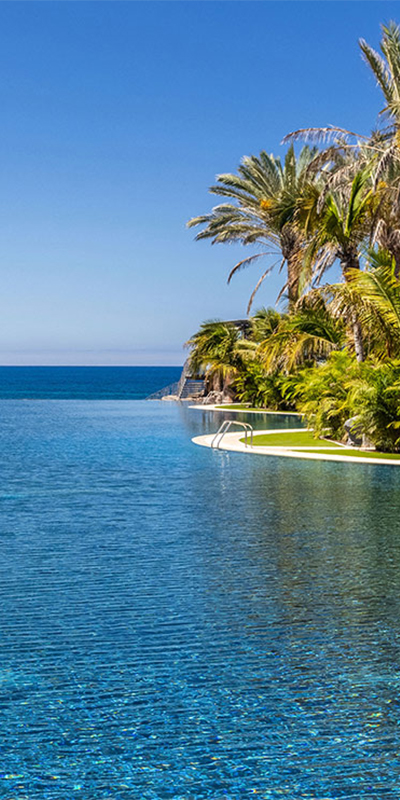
191	386
186	387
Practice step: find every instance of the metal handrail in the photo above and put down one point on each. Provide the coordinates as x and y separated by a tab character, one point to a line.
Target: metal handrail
224	428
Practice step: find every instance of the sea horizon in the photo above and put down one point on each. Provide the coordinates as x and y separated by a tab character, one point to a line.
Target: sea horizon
65	382
91	366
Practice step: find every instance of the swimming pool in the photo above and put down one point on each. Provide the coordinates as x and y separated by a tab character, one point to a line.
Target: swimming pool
181	623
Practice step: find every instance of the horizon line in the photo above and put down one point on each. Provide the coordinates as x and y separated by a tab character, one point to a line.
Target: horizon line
92	366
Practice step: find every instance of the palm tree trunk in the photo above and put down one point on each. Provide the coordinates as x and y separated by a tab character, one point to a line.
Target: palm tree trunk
227	387
218	381
293	279
290	245
350	261
358	340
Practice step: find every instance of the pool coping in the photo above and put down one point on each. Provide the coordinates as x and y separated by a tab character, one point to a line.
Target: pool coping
231	442
211	407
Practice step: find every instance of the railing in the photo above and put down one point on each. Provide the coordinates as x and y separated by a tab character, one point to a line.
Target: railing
224	428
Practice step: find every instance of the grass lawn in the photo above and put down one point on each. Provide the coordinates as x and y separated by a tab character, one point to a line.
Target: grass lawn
287	439
345	451
306	439
238	406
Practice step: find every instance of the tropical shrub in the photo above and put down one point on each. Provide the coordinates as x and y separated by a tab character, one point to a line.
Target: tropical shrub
265	323
321	394
341	389
374	397
259	388
214	351
375	293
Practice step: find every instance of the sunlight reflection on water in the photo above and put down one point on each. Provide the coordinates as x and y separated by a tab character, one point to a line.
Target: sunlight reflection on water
180	623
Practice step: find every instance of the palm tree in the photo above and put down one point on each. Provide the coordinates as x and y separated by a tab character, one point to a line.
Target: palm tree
386	223
338	232
264	323
264	193
386	70
386	161
375	294
217	349
350	152
310	333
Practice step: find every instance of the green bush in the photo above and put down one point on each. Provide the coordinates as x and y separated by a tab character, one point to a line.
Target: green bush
374	397
321	394
339	389
261	389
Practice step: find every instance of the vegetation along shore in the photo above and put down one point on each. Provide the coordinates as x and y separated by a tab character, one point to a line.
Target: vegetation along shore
333	353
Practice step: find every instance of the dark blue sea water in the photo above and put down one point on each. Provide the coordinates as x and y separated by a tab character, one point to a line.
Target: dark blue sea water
85	383
187	624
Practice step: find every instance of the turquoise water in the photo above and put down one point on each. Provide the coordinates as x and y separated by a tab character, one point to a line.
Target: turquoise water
187	624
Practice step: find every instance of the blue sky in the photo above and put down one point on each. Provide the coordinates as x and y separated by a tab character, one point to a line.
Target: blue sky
116	117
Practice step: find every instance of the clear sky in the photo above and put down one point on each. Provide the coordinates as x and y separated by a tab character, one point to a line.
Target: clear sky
115	119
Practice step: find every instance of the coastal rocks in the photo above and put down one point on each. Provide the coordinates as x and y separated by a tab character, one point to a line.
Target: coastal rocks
213	398
354	433
216	398
188	399
356	437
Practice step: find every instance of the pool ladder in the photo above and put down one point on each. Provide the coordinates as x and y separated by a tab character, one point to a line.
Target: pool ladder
224	428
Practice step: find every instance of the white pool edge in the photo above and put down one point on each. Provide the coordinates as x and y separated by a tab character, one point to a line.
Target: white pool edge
231	442
211	407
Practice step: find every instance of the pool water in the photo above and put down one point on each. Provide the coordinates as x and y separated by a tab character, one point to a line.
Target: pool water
188	624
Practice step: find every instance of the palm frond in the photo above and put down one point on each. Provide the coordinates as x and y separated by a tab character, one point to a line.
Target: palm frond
257	286
378	67
320	135
264	195
246	263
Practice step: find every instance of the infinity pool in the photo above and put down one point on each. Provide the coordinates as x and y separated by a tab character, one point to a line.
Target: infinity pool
187	624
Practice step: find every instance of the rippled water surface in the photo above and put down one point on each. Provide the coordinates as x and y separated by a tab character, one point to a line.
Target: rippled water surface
180	623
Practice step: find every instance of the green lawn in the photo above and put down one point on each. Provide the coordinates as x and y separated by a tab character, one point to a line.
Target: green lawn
306	439
346	451
238	406
287	439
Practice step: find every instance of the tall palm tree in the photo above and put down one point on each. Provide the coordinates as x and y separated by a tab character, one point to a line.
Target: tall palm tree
386	70
380	151
264	193
338	232
385	67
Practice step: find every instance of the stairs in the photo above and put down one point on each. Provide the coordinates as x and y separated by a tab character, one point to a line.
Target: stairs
191	387
185	388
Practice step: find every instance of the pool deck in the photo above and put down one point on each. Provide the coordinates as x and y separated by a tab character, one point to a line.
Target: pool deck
211	407
231	442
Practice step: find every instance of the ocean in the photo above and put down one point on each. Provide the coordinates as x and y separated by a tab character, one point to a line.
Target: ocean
187	624
85	383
